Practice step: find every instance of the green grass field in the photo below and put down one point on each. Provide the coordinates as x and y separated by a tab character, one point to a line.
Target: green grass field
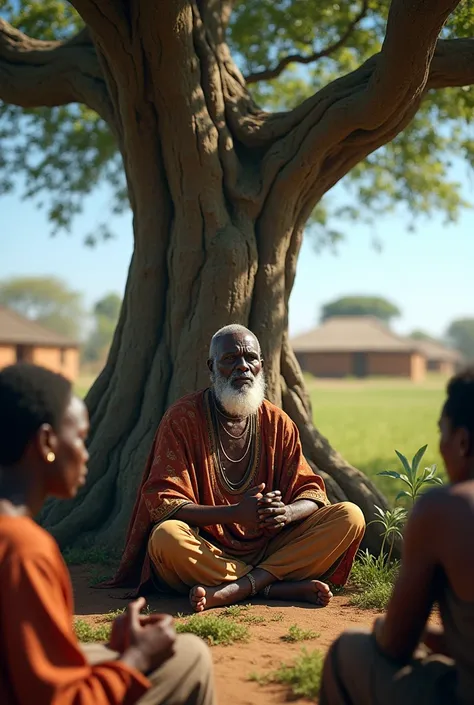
366	421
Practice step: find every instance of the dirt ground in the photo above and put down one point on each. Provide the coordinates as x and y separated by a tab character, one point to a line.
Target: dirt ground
265	650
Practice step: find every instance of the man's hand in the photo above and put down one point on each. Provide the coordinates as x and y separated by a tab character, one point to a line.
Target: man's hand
245	512
273	514
145	641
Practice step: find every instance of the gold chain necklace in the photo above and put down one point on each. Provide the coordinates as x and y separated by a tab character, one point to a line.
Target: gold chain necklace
236	438
249	441
233	486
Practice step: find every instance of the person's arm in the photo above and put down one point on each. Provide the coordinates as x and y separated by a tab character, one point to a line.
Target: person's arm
43	660
204	515
414	593
244	512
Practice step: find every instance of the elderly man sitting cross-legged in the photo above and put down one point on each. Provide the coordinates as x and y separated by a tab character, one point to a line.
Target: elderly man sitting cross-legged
228	506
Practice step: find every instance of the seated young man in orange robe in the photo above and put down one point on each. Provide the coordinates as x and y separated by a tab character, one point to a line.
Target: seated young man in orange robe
43	428
228	506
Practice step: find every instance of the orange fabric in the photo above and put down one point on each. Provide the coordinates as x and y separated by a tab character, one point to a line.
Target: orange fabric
40	658
181	469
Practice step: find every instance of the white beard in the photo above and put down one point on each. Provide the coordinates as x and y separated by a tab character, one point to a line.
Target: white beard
241	402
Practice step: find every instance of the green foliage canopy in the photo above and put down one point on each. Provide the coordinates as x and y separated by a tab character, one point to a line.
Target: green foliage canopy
64	153
47	300
360	306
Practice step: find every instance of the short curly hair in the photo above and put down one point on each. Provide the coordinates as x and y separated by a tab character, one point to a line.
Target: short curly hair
459	406
30	396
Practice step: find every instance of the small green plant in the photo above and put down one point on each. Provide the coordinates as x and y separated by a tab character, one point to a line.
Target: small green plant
413	478
277	617
296	633
303	676
392	521
112	615
374	577
213	629
86	632
416	481
253	619
235	611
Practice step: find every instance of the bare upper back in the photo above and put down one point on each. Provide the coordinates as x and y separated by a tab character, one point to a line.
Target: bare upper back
453	532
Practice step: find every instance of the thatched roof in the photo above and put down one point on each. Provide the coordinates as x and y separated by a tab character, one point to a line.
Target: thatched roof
17	330
438	352
352	334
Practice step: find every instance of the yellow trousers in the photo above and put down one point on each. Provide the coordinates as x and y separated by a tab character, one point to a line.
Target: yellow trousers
304	550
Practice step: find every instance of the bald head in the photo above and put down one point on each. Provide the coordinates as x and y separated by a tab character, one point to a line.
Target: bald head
234	332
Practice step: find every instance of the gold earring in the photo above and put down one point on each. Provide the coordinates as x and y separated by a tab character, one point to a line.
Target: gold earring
50	457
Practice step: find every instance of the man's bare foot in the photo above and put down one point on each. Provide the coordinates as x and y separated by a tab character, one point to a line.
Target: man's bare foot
204	598
313	591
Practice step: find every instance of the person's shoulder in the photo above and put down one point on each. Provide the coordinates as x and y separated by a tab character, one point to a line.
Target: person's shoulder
21	537
186	407
433	508
276	415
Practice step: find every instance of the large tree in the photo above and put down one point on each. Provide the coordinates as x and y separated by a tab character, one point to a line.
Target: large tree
221	190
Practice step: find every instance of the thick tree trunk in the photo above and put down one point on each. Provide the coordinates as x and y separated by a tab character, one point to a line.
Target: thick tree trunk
217	227
159	354
220	193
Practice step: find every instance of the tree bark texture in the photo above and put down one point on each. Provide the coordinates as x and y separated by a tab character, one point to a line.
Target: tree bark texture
220	193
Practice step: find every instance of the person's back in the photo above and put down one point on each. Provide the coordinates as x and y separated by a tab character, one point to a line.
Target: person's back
392	664
456	581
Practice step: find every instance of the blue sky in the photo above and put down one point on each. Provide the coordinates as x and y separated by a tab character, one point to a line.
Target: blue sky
428	274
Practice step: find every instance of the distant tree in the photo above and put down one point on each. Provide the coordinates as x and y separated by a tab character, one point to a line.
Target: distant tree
109	307
421	335
361	306
47	300
106	313
461	336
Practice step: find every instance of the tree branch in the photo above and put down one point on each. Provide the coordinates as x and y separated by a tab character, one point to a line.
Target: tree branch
317	143
452	65
403	67
36	73
269	74
101	15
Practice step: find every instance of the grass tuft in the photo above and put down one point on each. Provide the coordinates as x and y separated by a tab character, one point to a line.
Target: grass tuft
296	633
374	580
375	598
112	615
253	619
86	632
214	629
235	611
303	676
